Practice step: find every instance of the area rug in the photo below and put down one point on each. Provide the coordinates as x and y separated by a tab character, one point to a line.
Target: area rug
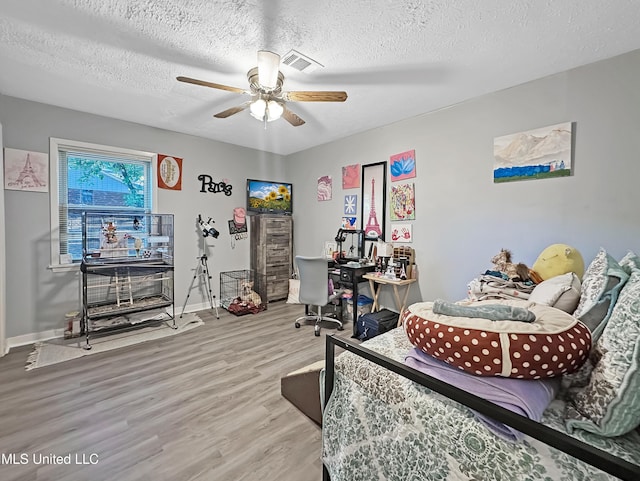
54	351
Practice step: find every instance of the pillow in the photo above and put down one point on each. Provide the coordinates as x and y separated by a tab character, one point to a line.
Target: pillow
568	300
554	344
558	259
610	403
561	292
629	260
600	287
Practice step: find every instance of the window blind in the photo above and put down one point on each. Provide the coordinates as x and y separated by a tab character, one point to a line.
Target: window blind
70	210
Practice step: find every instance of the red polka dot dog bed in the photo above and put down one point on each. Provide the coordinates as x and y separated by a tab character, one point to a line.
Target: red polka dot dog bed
553	344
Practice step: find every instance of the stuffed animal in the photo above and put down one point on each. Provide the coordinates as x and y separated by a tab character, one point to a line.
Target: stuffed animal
502	263
558	259
249	295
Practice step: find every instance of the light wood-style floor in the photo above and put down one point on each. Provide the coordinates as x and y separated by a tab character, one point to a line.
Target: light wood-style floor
200	406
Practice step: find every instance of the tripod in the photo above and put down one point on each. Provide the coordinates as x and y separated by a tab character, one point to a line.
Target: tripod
202	270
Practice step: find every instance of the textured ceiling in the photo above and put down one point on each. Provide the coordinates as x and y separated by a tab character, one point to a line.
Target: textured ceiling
395	59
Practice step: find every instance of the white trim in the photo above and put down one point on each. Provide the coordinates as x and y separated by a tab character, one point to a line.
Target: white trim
34	337
54	217
203	306
3	260
64	267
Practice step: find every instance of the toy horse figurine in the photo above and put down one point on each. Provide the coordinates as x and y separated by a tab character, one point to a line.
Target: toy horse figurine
502	263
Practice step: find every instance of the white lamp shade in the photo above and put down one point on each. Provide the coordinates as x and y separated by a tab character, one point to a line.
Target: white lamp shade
268	63
257	109
274	110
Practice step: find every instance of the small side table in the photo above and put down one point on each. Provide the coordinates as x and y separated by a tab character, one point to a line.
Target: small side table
376	283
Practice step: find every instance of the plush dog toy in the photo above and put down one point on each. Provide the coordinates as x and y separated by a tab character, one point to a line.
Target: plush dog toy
248	294
502	263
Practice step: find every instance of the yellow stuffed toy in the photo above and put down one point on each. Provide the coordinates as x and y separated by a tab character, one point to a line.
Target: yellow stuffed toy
558	259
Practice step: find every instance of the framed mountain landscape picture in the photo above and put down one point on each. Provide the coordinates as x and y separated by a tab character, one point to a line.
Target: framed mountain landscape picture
534	154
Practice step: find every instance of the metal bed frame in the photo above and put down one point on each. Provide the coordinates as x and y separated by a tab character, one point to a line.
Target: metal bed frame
598	458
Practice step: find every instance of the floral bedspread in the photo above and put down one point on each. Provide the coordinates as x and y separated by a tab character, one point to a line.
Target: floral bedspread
381	426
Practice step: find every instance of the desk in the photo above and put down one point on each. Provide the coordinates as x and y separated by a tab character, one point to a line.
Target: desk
349	277
376	283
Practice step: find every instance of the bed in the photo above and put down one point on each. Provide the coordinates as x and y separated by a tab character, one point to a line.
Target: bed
384	420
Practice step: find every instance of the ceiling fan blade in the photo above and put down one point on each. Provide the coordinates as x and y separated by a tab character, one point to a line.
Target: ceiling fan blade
268	64
211	84
292	118
315	96
233	110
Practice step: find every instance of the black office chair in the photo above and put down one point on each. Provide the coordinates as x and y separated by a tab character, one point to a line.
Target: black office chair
314	291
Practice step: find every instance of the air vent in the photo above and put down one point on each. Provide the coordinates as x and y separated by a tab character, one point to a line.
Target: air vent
300	62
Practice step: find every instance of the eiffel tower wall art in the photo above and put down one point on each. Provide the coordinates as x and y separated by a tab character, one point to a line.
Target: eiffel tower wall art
374	197
24	170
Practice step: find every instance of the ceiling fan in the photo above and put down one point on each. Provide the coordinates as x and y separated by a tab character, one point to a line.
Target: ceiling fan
268	100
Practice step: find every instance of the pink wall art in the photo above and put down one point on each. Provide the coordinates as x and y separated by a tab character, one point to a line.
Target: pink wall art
403	166
324	188
402	233
25	170
351	176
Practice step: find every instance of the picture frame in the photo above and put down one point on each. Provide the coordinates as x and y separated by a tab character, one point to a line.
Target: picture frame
403	165
402	202
373	204
26	170
350	205
541	153
402	233
325	188
351	176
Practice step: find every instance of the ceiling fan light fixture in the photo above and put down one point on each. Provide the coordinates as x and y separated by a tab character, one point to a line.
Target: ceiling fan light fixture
258	108
268	65
268	99
274	110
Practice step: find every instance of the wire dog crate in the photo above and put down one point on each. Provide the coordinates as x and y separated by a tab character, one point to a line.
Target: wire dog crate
243	292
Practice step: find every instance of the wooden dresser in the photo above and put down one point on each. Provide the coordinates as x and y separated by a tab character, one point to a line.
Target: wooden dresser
271	252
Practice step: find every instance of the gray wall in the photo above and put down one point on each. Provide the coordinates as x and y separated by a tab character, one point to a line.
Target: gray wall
38	298
462	217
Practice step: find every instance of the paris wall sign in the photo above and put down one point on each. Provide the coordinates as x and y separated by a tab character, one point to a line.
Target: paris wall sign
373	204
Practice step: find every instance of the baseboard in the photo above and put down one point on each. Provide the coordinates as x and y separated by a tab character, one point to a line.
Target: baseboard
32	338
203	306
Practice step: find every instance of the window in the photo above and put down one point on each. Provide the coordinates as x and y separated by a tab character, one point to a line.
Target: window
89	177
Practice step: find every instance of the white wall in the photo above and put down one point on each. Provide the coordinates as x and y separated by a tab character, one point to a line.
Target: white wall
462	217
38	298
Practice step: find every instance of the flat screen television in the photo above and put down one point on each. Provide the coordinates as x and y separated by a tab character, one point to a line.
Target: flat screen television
268	197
